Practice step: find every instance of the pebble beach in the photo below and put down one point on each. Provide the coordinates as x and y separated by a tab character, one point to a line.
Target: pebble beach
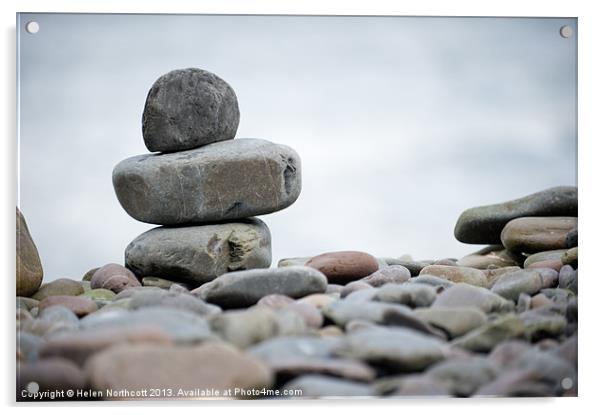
197	307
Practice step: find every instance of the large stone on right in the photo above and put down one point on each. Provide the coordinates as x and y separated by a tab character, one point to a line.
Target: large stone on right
536	234
29	267
198	254
222	181
484	224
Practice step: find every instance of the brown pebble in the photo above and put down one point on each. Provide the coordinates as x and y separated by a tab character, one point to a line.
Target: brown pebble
114	277
344	266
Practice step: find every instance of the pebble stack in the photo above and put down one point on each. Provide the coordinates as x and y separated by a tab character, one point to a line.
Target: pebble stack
204	186
196	312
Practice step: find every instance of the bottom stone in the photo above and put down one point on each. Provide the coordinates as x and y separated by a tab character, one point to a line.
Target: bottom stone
198	254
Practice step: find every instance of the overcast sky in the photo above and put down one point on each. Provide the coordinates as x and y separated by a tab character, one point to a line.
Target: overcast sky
401	123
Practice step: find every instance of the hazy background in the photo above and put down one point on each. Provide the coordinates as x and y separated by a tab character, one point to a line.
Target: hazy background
401	123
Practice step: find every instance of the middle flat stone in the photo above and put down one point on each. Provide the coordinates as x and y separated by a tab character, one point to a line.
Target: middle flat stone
221	181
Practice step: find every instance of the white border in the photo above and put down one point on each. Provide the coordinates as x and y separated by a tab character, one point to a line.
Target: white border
590	112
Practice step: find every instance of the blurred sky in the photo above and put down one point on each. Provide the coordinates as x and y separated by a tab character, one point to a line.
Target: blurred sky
401	122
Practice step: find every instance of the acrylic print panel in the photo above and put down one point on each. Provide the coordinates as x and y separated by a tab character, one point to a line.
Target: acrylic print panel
348	206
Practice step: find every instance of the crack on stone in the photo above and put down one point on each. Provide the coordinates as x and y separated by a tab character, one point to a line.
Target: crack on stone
234	208
289	174
213	246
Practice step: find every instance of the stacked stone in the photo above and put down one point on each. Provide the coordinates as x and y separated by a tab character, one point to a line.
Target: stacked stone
532	256
203	186
536	232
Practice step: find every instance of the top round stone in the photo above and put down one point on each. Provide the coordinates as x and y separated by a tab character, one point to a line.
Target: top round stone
189	108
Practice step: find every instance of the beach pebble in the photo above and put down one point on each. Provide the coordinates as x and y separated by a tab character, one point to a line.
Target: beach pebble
245	288
344	266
